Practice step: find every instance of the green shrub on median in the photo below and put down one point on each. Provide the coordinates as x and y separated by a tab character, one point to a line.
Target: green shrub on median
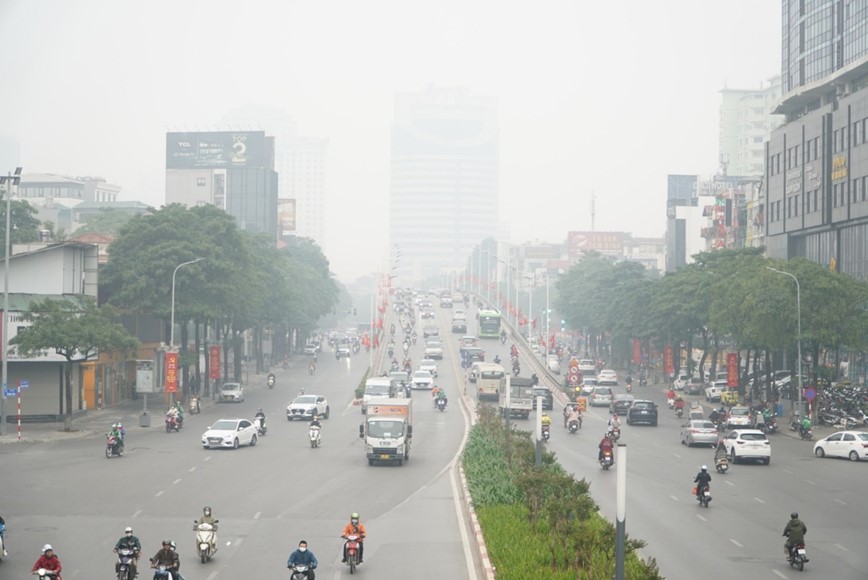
539	522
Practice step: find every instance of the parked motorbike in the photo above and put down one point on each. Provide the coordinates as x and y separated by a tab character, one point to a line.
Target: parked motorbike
798	556
124	566
206	540
113	447
46	574
441	403
573	427
352	549
172	423
313	435
721	465
260	428
607	460
704	496
194	405
299	572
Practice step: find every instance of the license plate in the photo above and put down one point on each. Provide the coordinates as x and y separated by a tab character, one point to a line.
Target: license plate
214	440
801	552
385	457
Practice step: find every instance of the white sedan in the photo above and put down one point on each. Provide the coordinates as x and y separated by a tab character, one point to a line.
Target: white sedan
305	406
229	433
429	365
748	444
607	377
850	444
422	380
232	392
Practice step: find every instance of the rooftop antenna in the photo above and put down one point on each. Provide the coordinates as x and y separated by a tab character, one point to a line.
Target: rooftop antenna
593	209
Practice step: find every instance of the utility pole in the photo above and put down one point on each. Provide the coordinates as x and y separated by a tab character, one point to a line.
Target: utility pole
9	180
593	209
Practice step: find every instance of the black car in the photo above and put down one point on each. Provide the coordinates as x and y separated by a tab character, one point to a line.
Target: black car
459	326
474	354
546	394
642	411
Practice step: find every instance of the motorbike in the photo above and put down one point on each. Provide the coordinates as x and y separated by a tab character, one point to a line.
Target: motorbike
313	435
670	403
172	423
206	540
46	574
546	432
502	339
704	496
270	382
643	382
629	387
194	405
125	564
607	460
721	464
299	572
798	556
441	403
573	427
515	370
806	434
311	368
679	411
163	572
113	447
260	428
352	548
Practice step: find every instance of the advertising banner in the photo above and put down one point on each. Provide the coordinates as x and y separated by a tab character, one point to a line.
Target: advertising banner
732	369
215	149
144	376
214	362
667	360
286	217
637	351
171	372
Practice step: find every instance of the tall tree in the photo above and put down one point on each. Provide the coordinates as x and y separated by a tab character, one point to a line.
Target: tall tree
76	331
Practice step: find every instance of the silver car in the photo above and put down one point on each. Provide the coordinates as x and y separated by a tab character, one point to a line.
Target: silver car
232	392
600	397
699	432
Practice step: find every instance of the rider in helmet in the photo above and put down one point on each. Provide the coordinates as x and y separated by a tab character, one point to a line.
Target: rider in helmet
794	531
167	557
356	528
49	561
207	518
702	479
260	414
130	542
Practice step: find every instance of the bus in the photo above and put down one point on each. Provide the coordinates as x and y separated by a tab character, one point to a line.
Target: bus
489	381
489	324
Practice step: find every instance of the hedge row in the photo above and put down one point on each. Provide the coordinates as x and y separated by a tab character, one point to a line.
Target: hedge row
539	522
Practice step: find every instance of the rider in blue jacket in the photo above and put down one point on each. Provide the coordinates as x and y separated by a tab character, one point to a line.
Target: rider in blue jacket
305	557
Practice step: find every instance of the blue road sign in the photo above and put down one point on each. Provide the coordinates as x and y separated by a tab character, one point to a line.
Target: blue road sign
24	383
10	392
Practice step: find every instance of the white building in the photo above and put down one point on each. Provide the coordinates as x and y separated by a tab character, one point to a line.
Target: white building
444	195
746	123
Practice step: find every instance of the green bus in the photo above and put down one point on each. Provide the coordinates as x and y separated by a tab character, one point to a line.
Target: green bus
489	324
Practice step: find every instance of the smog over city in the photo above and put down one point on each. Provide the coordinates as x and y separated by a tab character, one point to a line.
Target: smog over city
582	103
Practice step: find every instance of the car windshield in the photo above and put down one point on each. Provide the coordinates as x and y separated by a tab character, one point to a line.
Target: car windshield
231	386
385	429
705	425
224	425
421	375
743	412
377	390
305	400
428	363
642	405
603	391
753	437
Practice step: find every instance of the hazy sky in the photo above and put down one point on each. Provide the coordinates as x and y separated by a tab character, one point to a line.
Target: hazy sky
593	96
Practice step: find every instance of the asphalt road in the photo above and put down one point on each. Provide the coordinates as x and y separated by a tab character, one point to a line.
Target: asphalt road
267	497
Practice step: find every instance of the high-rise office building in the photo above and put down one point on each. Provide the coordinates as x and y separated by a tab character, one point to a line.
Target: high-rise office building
816	179
233	170
444	180
746	121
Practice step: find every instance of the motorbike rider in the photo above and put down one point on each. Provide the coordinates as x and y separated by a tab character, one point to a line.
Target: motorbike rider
304	557
3	535
670	394
606	444
679	404
702	479
794	531
48	561
546	421
502	336
497	359
719	451
130	542
355	528
441	394
805	426
167	557
119	438
574	415
568	410
206	518
270	379
261	416
534	380
314	422
614	422
629	381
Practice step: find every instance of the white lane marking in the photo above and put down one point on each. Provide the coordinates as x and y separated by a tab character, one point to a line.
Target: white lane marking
701	518
840	547
781	574
177	481
840	502
759	500
192	469
213	574
456	495
207	458
730	483
811	482
256	515
673	498
136	513
736	543
788	471
676	456
159	493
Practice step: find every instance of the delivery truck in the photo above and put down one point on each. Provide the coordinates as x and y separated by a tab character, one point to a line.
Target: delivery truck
520	400
387	430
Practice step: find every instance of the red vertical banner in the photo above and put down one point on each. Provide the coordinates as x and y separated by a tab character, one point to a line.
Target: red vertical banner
214	362
667	360
171	372
732	369
637	351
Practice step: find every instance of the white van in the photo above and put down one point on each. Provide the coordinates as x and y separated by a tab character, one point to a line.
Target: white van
376	387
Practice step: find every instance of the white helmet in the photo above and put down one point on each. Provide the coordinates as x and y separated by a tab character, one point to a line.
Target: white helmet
704	468
46	547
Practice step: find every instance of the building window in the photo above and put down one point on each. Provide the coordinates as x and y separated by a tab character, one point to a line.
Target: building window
864	187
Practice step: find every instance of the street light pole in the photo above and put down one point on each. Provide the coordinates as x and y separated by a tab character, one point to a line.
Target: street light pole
172	323
9	181
548	316
799	330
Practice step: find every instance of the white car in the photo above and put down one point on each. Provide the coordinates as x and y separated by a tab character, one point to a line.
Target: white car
850	444
748	444
433	349
607	377
738	418
681	382
428	365
304	406
422	380
554	364
231	392
600	397
713	392
587	367
229	433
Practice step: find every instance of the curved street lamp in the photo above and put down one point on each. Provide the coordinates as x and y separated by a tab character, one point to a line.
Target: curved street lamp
799	327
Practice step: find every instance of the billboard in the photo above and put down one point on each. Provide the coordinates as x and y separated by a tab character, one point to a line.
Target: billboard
611	243
215	149
286	217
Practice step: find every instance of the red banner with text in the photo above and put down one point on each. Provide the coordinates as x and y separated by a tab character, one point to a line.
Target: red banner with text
171	372
637	351
667	360
214	362
732	369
